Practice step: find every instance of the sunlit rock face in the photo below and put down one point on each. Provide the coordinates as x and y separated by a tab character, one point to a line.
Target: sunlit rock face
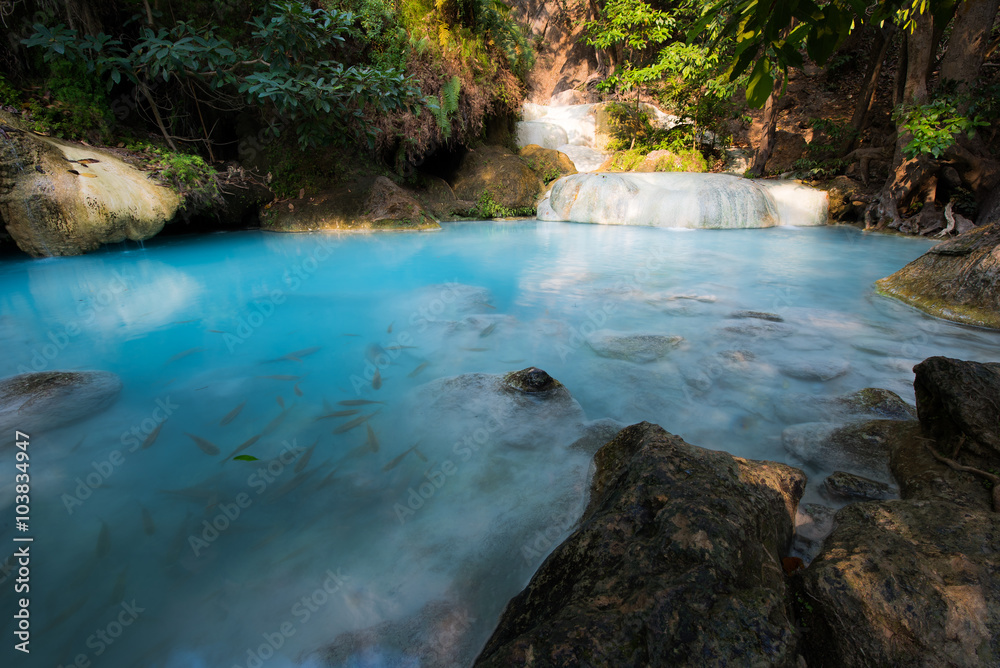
682	200
62	198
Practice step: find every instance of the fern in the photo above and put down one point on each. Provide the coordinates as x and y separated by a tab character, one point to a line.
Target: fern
449	95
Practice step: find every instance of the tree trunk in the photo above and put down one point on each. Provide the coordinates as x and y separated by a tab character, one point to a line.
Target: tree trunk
970	36
768	133
883	38
919	58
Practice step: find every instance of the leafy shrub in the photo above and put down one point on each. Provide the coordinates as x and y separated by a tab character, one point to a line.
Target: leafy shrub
933	126
487	207
72	105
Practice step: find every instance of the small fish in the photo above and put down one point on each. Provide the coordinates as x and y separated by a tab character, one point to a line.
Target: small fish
350	335
334	414
347	426
118	593
73	171
87	161
147	522
486	305
329	477
273	424
78	444
304	459
511	361
182	355
486	332
297	390
374	352
246	444
149	440
476	350
395	462
216	331
280	377
90	176
389	328
206	446
420	367
231	415
65	614
358	402
281	402
376	380
184	322
103	540
372	439
400	347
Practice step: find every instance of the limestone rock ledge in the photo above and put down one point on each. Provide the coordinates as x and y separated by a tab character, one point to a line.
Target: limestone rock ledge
956	280
676	563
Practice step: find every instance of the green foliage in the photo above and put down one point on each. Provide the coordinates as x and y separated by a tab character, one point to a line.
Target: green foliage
685	160
9	97
189	174
933	126
625	161
285	68
488	207
71	105
545	170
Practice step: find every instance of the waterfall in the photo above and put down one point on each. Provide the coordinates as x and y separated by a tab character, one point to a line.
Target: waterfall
682	200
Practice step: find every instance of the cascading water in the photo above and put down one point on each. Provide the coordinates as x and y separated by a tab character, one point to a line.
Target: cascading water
682	200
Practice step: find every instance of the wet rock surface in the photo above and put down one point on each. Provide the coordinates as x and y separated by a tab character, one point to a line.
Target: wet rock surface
841	486
51	399
955	280
861	448
507	178
659	573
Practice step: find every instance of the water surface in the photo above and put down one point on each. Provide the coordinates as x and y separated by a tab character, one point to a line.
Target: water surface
290	325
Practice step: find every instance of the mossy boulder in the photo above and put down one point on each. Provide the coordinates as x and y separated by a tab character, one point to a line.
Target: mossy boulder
669	161
367	204
956	280
507	179
847	199
548	163
64	198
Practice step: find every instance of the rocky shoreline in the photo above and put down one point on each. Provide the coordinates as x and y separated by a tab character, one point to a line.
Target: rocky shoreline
682	556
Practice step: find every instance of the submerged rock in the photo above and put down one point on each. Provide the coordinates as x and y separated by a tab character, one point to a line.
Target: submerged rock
861	448
41	401
531	381
821	371
633	347
661	572
758	315
369	204
876	402
63	198
813	523
956	280
868	403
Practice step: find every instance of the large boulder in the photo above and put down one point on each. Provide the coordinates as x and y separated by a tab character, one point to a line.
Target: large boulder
548	163
915	581
676	563
368	204
905	583
956	280
64	198
959	401
40	401
495	172
847	199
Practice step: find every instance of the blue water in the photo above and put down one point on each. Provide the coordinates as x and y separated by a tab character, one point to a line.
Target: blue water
196	326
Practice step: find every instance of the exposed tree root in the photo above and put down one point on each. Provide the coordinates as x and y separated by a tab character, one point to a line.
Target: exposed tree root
955	466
